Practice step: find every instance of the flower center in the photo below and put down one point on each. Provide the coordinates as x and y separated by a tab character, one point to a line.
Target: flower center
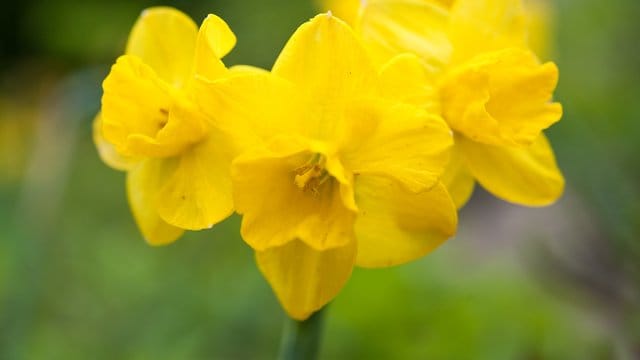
310	176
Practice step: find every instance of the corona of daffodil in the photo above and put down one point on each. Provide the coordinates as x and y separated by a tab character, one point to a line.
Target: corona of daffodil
177	160
340	168
494	92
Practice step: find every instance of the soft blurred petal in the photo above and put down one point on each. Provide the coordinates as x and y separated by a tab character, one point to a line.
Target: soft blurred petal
198	194
144	182
541	23
218	35
330	68
346	10
143	116
303	278
165	39
214	41
404	78
479	26
396	226
391	27
247	69
135	101
445	3
457	178
107	151
251	106
408	144
527	176
502	98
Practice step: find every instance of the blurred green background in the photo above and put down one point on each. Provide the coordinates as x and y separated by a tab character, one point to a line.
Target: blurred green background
78	282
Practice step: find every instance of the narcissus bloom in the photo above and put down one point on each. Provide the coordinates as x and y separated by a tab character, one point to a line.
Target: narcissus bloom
341	168
177	160
494	92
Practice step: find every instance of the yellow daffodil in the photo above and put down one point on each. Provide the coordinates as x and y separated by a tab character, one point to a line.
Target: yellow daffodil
341	167
541	19
494	92
177	160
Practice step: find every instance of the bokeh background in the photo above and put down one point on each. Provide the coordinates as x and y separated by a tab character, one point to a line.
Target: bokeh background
77	281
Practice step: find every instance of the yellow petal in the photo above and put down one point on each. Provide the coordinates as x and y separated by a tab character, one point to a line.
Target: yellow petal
527	176
198	194
251	106
304	279
345	178
404	78
107	151
457	178
501	98
277	210
165	39
247	70
541	23
346	10
479	26
135	101
214	41
186	126
143	116
396	226
219	35
408	145
330	68
521	97
445	3
391	27
143	185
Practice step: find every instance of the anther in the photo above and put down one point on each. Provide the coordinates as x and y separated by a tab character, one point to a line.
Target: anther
310	176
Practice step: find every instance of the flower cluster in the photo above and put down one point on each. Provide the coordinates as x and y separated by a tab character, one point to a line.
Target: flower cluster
355	149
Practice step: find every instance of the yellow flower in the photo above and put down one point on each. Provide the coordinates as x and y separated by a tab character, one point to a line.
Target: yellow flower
176	159
494	92
541	19
340	169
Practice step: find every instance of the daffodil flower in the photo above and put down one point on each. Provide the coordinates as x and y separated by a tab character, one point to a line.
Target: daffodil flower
177	160
341	168
494	92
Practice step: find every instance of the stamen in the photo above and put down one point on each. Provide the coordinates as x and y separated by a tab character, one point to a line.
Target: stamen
311	173
310	176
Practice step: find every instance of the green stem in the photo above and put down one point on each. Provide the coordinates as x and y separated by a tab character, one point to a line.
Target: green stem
301	339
